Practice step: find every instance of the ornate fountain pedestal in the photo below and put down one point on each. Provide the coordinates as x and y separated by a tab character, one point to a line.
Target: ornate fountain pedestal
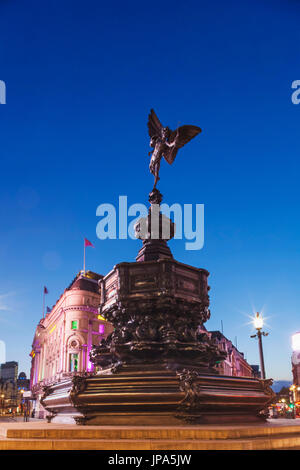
158	367
154	395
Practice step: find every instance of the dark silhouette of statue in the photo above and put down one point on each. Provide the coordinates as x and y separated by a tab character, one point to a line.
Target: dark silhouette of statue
166	142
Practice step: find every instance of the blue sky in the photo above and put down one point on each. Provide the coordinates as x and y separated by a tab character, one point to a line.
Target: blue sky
81	78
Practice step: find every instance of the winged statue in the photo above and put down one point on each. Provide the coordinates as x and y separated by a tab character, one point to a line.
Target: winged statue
166	143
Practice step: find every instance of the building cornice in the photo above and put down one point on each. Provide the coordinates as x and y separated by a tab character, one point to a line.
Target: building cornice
48	321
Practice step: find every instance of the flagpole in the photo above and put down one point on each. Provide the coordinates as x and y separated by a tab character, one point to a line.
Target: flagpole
44	303
85	243
84	257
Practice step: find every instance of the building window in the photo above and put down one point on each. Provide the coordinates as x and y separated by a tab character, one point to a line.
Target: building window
73	363
74	325
101	329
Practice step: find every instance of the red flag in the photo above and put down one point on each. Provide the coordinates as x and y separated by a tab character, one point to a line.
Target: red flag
88	243
45	290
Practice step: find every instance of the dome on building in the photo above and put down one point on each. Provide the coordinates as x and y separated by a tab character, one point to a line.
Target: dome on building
82	283
22	376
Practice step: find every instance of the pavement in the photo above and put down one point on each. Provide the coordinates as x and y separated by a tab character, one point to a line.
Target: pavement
18	419
39	435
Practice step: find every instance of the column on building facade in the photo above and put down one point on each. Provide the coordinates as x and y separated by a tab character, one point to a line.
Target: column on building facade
90	336
42	364
62	347
37	363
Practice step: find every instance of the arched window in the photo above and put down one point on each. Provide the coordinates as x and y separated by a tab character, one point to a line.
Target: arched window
73	362
74	354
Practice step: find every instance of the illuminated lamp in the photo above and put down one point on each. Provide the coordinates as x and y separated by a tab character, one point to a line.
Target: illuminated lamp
296	341
258	321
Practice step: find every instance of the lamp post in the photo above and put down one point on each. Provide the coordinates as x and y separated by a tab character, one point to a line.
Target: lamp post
2	403
292	400
258	324
21	403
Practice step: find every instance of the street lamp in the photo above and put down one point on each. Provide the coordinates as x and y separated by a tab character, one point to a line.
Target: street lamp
21	404
292	399
2	402
258	324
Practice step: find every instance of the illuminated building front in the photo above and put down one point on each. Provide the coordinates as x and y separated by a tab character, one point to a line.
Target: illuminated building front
235	363
64	338
295	388
12	387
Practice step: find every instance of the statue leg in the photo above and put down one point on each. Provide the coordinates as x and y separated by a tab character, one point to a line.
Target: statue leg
156	173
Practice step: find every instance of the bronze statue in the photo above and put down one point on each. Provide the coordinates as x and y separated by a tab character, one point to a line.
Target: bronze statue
166	142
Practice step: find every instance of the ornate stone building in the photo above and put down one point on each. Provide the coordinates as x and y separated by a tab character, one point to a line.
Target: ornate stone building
64	338
234	364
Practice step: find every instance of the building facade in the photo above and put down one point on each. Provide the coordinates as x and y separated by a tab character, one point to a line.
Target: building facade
295	388
256	371
12	387
235	363
23	383
9	371
64	338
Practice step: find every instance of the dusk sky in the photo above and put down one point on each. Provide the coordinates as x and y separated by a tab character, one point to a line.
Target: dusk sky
81	78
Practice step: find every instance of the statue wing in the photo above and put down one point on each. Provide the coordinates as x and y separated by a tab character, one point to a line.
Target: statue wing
185	134
154	124
182	135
